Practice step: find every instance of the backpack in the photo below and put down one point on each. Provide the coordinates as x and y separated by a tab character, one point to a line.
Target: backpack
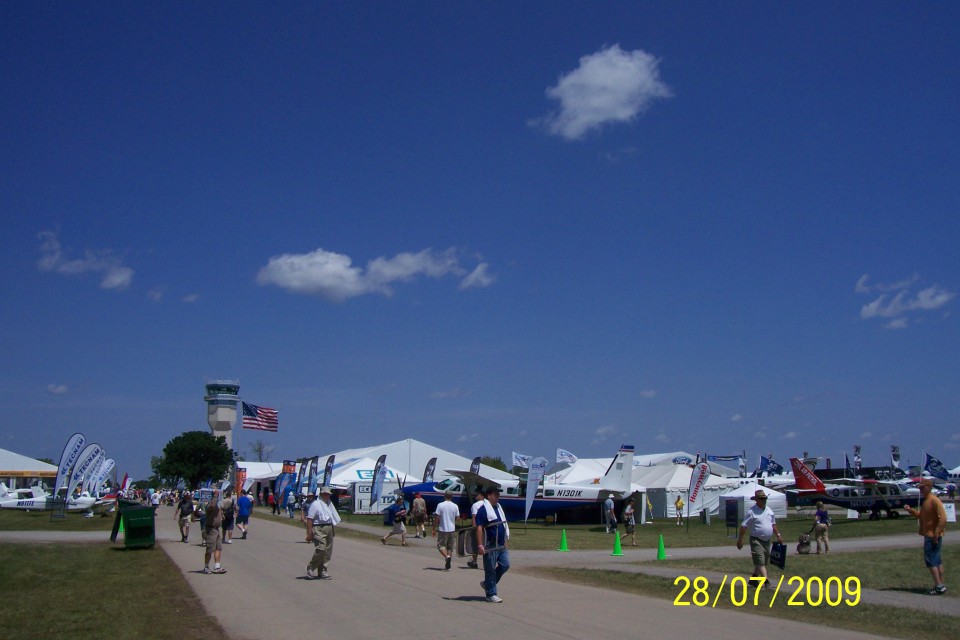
228	509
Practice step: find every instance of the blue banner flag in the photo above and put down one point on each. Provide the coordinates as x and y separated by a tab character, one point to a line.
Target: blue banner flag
935	468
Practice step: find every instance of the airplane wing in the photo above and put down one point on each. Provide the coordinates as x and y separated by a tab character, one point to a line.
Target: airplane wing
472	480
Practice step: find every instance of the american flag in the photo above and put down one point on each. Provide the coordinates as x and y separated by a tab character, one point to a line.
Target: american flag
260	418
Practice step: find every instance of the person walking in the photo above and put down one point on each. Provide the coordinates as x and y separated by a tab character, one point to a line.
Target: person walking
678	505
762	525
610	516
212	537
477	503
821	527
493	533
322	519
399	523
244	509
630	521
419	507
184	513
272	503
933	522
229	508
445	522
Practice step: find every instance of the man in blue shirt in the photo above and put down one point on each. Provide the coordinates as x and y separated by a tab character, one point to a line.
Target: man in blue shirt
492	535
244	508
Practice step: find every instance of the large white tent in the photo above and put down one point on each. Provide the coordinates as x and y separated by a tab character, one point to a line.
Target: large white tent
744	493
665	482
17	469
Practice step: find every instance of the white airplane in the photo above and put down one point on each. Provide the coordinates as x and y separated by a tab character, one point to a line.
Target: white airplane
37	499
550	498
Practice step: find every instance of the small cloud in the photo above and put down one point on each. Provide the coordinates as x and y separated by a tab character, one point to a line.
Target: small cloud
522	433
452	393
661	437
332	275
478	278
648	393
468	438
609	86
602	433
57	389
113	274
736	417
155	296
760	435
897	301
866	435
193	297
789	435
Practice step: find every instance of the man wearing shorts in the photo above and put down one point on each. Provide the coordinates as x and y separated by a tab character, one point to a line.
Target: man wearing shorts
244	508
445	520
762	525
212	537
933	522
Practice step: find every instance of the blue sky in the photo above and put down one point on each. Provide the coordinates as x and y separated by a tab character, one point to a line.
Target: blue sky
488	226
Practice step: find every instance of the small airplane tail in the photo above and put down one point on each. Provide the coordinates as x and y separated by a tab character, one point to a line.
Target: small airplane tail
619	475
805	478
4	490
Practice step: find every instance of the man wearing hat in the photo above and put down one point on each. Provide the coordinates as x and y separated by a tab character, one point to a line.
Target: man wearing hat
762	525
492	535
322	517
933	522
445	521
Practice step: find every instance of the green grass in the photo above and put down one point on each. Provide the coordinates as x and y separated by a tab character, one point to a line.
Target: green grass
95	591
14	520
880	620
886	570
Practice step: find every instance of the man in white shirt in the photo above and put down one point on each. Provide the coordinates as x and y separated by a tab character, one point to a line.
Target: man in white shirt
445	520
322	517
762	525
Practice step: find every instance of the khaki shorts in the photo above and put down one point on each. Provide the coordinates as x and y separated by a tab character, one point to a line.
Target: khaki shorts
213	539
445	540
760	552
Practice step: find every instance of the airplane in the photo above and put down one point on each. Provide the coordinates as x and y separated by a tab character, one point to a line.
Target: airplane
862	496
550	497
37	499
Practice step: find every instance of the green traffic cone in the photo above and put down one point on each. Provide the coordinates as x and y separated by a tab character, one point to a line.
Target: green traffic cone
661	552
617	550
120	530
563	541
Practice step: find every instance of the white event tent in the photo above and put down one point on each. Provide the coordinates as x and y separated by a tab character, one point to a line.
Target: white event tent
744	493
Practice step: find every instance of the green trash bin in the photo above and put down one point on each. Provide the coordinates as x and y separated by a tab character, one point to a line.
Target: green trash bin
139	529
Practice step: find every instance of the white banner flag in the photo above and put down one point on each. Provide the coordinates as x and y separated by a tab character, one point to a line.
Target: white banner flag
537	467
69	456
565	456
698	479
520	460
83	466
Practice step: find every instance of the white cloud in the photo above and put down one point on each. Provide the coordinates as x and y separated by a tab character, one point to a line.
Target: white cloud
193	297
760	435
479	277
661	437
898	303
467	438
611	85
866	435
57	389
155	295
602	433
736	417
333	276
789	435
451	393
114	275
648	393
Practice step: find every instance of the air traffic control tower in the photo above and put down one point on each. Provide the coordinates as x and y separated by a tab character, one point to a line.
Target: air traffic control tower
222	402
